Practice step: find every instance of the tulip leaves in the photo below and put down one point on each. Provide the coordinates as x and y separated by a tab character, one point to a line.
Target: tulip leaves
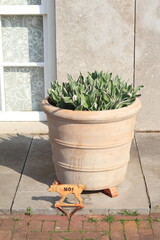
96	92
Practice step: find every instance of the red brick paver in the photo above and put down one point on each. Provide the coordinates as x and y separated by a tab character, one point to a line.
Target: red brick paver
21	225
131	230
124	217
62	225
155	215
7	224
145	230
48	218
76	223
78	228
5	234
95	235
19	234
48	226
156	229
102	226
89	226
117	230
38	235
67	235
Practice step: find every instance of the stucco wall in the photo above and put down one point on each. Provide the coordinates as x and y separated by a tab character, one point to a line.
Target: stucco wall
117	36
147	59
93	34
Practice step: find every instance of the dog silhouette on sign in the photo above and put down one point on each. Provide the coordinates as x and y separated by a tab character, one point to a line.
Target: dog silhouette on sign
64	190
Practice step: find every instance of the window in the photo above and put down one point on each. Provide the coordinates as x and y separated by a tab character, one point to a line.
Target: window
27	57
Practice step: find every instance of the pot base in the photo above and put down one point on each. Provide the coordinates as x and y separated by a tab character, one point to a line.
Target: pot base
94	180
111	192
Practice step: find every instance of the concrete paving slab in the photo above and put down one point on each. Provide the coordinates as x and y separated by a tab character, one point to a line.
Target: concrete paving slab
39	170
149	151
13	152
38	174
8	185
33	193
41	202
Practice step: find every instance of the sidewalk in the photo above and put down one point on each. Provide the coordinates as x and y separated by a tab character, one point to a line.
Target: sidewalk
26	171
21	227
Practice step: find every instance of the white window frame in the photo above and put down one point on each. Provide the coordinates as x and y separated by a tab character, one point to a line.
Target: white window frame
47	10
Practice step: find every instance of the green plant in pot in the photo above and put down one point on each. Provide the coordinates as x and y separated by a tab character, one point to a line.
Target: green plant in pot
91	126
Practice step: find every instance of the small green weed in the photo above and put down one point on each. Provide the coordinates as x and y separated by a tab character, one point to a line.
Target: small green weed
29	211
128	213
122	222
157	220
50	235
105	233
87	239
92	219
16	219
82	231
35	231
109	219
150	220
137	221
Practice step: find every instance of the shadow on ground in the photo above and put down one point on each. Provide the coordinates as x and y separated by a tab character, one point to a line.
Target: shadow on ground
27	155
31	158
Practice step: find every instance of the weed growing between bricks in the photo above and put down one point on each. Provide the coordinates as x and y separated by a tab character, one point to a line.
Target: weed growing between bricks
122	222
108	227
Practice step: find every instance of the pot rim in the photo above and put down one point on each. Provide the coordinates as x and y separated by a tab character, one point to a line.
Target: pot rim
92	116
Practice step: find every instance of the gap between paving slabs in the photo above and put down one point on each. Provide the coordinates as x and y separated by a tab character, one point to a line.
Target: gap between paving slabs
13	152
21	173
145	182
149	151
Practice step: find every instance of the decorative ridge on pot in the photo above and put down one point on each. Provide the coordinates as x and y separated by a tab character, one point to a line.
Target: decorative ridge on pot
92	116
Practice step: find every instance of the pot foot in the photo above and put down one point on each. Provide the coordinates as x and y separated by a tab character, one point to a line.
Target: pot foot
56	182
111	192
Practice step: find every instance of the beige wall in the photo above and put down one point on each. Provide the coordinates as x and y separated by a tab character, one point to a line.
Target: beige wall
99	34
147	56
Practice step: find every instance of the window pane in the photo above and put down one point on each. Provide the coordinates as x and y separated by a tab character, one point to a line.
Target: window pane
24	88
22	38
20	2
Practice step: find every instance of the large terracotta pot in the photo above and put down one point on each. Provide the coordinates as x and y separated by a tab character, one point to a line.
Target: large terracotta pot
91	147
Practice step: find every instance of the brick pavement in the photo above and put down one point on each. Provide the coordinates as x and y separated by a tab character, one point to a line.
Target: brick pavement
22	227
